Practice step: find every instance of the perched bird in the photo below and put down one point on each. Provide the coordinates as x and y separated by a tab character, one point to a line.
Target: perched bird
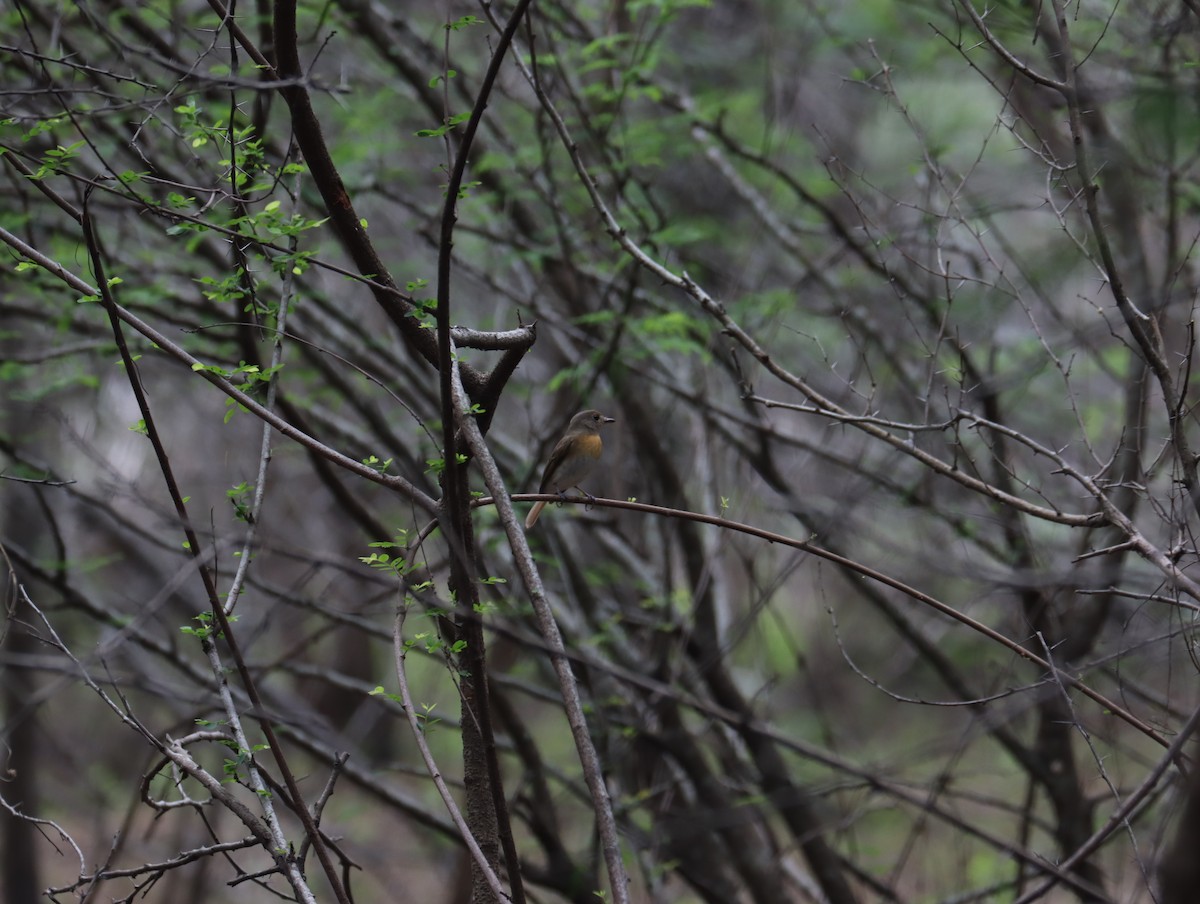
572	460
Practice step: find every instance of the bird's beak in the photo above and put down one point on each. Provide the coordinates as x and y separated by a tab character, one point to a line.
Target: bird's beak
608	420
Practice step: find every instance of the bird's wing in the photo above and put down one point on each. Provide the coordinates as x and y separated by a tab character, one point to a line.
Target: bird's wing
556	457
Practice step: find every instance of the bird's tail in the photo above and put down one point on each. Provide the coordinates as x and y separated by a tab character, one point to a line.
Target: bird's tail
531	518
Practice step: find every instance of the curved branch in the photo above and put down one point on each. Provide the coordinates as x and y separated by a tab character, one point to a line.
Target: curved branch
858	568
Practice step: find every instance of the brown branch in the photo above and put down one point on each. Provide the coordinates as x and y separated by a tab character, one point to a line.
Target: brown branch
857	567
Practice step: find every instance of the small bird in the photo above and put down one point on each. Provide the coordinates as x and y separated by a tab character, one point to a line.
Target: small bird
572	460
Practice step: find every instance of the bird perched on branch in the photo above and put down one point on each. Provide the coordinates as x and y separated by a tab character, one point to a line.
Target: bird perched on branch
573	458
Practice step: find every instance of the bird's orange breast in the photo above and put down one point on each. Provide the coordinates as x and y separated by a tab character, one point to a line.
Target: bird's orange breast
590	446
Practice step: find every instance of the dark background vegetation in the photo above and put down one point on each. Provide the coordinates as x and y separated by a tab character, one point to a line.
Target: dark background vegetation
905	289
